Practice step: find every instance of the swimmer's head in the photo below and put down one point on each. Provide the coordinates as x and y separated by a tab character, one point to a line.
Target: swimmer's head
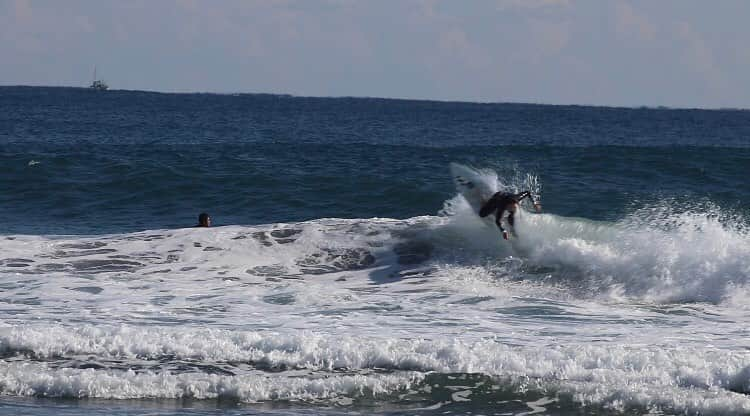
204	220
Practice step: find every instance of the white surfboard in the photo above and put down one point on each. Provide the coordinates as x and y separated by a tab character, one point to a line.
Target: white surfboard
471	185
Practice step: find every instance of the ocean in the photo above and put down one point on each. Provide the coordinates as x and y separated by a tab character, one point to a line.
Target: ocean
344	273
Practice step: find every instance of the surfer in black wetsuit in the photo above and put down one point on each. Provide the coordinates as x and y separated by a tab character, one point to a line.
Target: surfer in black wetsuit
503	201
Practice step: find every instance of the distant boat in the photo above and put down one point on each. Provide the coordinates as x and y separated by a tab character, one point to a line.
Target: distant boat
98	84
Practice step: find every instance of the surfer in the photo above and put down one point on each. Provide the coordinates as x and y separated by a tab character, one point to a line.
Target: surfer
503	201
204	220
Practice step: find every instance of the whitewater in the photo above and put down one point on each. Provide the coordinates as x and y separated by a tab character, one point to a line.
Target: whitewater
644	314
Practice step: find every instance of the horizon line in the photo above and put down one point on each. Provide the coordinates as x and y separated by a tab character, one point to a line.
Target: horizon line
366	97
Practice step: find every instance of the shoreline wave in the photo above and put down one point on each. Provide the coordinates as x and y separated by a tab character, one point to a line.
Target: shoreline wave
692	380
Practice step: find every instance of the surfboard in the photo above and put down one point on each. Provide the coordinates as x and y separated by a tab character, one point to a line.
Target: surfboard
476	189
471	185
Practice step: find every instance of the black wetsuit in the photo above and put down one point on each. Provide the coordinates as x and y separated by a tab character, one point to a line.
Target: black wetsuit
499	202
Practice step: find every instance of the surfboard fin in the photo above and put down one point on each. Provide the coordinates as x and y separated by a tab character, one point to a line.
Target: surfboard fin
463	182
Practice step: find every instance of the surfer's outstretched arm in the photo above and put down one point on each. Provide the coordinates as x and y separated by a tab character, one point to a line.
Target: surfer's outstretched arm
527	194
499	219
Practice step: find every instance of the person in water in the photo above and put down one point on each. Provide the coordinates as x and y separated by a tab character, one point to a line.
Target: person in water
503	201
204	220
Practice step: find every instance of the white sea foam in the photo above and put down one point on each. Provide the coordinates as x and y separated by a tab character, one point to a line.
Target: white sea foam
35	379
701	380
696	259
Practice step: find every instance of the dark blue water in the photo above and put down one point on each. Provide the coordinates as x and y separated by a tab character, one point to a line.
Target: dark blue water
76	161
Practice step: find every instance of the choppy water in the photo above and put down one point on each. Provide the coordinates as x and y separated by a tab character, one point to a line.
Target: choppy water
346	274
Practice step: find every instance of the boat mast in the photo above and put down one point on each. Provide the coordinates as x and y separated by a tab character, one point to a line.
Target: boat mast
98	84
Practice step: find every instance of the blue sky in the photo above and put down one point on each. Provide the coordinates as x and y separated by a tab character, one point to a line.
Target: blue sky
673	53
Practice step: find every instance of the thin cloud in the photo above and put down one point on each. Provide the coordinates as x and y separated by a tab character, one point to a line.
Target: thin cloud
530	4
631	23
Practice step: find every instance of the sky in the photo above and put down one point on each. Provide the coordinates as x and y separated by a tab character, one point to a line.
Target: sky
676	53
